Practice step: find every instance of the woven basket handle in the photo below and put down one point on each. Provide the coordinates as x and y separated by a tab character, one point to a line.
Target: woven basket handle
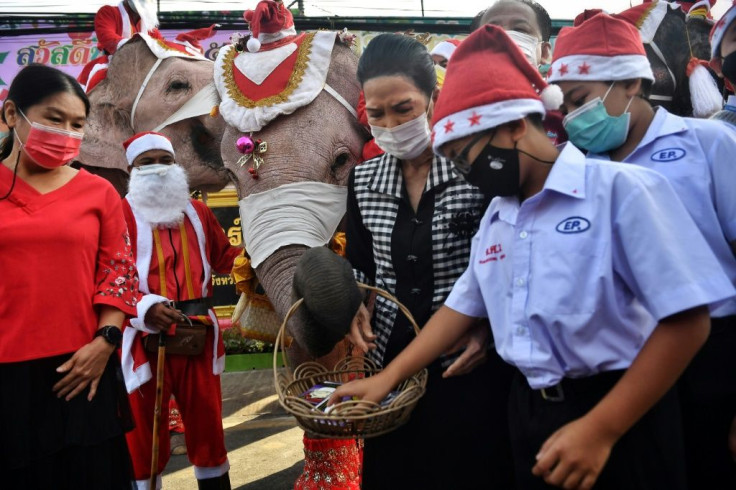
281	336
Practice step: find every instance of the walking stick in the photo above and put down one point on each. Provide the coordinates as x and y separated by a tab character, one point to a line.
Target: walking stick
157	409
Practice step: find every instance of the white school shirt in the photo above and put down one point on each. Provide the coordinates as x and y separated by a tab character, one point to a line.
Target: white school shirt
698	157
575	278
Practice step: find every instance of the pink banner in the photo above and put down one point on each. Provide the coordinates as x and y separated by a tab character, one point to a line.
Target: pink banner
69	52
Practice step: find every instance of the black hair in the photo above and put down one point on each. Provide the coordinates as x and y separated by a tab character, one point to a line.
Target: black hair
30	86
536	119
543	19
394	54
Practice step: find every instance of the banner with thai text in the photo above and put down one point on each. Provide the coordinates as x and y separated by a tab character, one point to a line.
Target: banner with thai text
71	51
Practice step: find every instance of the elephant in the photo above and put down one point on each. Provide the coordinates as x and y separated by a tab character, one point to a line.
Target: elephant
319	142
196	140
677	38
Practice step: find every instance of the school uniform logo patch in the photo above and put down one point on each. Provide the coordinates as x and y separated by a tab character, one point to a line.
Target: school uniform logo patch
668	155
574	224
493	253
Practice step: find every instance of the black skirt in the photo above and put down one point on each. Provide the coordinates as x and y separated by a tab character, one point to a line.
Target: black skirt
47	442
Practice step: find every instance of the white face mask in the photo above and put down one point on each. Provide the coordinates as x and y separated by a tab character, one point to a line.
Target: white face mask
528	45
154	168
405	141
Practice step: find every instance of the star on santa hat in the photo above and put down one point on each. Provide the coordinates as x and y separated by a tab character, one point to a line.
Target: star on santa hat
511	87
601	48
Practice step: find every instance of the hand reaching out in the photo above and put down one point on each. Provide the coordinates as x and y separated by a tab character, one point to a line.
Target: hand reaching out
374	389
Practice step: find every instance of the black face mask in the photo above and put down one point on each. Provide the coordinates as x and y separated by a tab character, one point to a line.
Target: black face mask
495	172
729	67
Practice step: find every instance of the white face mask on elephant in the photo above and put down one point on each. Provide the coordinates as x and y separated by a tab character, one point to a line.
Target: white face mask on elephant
302	213
405	141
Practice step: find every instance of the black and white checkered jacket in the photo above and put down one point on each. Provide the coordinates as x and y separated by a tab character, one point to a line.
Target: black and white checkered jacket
376	188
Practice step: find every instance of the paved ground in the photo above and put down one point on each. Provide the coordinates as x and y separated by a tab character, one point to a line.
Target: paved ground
264	444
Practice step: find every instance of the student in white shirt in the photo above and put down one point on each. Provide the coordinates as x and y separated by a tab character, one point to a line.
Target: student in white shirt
604	74
594	278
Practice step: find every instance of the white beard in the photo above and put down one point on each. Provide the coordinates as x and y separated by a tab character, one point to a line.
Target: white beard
160	199
146	9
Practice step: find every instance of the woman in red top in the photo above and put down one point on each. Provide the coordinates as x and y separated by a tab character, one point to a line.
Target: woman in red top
67	280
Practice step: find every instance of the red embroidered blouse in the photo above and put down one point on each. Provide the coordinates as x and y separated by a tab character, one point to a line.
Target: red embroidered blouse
61	253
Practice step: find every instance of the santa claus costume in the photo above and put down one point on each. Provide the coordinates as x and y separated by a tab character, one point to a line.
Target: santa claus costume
177	243
114	25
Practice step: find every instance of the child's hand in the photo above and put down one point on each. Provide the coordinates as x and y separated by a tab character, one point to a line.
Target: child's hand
372	389
574	456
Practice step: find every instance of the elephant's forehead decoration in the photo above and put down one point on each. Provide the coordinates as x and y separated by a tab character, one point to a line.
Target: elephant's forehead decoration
275	73
279	72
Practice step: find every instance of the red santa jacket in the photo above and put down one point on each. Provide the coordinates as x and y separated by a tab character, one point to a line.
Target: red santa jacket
114	24
207	249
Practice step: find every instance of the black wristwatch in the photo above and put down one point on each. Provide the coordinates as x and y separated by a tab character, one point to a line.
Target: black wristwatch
111	334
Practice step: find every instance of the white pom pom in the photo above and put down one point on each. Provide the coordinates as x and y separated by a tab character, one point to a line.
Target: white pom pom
704	94
253	45
552	97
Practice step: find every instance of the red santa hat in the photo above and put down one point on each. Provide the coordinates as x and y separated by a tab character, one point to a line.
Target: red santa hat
269	22
600	49
192	38
585	15
445	48
489	83
146	141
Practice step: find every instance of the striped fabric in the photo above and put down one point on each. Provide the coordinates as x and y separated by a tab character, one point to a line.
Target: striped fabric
458	208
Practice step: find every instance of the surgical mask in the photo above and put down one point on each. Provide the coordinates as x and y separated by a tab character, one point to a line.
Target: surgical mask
591	127
405	141
153	169
50	147
528	45
495	171
729	67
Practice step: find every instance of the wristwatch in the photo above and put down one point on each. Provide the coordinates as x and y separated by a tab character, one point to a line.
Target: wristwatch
111	334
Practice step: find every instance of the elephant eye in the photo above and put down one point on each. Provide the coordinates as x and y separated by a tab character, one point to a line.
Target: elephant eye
341	160
178	85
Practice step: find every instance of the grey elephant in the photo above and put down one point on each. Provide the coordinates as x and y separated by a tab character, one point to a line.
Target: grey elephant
178	84
296	197
291	139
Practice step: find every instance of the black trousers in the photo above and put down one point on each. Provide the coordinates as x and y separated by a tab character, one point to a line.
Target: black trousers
456	438
650	456
707	392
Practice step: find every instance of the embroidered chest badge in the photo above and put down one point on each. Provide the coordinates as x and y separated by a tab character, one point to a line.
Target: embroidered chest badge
493	253
574	224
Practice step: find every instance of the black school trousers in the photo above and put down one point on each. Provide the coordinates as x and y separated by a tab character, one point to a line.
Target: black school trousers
650	456
707	391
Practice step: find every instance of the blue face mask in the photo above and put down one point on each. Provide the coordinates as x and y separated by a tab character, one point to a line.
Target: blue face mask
591	127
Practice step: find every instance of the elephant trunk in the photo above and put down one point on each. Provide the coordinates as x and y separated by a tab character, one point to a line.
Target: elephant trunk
276	275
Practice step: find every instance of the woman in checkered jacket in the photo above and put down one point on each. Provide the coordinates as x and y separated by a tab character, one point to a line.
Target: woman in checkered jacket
410	220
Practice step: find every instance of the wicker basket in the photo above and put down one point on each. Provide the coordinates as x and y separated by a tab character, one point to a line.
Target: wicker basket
352	418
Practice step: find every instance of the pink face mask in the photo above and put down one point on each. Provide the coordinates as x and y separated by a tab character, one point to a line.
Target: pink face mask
50	147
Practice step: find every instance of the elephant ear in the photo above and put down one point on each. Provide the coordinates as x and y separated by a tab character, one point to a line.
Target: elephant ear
331	299
108	123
